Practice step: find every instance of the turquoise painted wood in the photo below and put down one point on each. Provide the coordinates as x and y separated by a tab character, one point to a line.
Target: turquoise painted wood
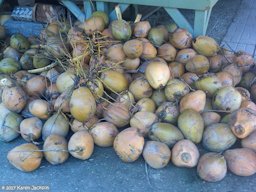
202	10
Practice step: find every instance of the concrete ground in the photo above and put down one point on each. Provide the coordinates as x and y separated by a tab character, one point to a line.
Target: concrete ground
105	172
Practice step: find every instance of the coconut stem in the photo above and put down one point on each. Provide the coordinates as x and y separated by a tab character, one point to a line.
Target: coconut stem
138	18
118	13
39	70
186	157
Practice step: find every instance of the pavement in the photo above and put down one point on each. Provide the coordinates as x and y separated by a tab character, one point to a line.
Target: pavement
104	171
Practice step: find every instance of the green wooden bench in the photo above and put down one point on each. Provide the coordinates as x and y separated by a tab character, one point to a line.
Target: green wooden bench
202	10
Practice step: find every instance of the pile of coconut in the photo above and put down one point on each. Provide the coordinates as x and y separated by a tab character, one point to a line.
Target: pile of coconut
146	91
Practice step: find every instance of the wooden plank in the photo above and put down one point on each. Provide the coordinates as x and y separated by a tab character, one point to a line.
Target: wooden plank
183	4
179	19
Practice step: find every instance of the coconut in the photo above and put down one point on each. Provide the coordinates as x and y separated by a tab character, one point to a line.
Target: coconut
206	46
175	89
103	15
227	99
190	78
14	98
40	60
215	63
118	114
121	30
31	129
10	52
62	102
149	51
210	118
26	61
93	24
165	133
55	149
167	52
141	29
156	36
158	97
225	78
212	167
131	64
40	108
209	84
129	144
81	145
191	125
114	81
96	87
133	48
244	61
247	80
243	122
241	161
177	69
194	100
181	39
248	104
127	98
146	104
171	27
52	92
185	154
143	121
140	88
156	154
168	112
26	157
57	124
199	65
56	47
9	65
36	86
116	53
65	81
19	42
79	126
82	104
104	133
218	137
9	121
250	141
184	55
235	72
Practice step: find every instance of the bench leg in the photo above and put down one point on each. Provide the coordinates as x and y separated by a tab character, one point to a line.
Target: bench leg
73	8
201	21
88	9
179	19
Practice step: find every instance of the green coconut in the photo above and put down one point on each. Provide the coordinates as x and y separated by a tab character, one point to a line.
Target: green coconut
156	36
165	133
40	60
208	84
206	46
218	137
9	65
191	125
227	99
103	15
168	112
175	89
19	42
